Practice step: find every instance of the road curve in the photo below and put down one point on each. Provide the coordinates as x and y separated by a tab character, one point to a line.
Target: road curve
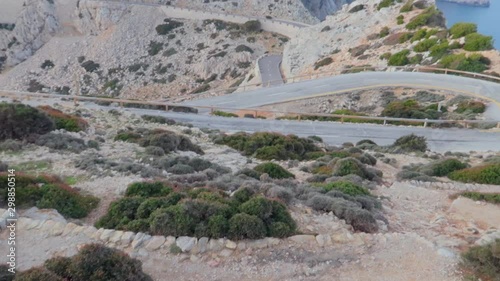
269	68
352	82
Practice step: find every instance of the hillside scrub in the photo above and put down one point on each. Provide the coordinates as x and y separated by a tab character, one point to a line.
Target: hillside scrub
323	62
484	260
411	143
19	121
411	109
471	106
479	196
346	187
471	63
399	59
485	174
92	262
274	171
442	168
430	17
478	42
167	140
48	192
224	114
68	122
269	146
199	212
461	29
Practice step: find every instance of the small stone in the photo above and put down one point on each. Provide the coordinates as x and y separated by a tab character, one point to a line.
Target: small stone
170	240
194	258
215	245
303	239
57	229
230	244
106	234
323	240
138	240
155	243
97	234
202	245
69	228
115	238
226	253
241	246
127	237
271	241
186	243
79	229
257	244
213	263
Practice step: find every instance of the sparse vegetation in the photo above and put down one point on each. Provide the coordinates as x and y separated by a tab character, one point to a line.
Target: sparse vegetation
323	62
478	42
168	26
484	174
462	29
19	121
411	143
430	16
479	196
70	123
399	59
484	260
224	114
274	171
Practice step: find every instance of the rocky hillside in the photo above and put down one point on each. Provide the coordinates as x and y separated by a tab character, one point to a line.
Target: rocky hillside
135	52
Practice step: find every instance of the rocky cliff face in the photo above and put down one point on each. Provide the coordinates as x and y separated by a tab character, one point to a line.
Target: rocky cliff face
35	25
323	8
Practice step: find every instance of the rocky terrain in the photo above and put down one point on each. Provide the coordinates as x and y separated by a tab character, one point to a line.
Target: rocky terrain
479	3
422	228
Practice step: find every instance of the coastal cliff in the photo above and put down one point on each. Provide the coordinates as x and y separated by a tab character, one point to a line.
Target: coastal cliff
477	3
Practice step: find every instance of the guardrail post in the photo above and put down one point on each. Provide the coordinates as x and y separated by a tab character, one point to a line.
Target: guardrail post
256	113
498	125
342	119
446	71
385	121
299	117
211	111
121	104
425	123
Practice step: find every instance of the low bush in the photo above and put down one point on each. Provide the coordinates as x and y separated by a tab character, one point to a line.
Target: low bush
411	143
384	32
148	189
70	123
323	62
48	192
167	140
245	226
158	119
430	16
357	8
168	26
471	106
224	114
442	168
61	142
471	63
410	109
478	42
274	171
479	196
385	4
268	146
407	7
252	26
243	48
425	45
462	29
399	59
11	145
351	166
346	187
485	174
484	260
20	121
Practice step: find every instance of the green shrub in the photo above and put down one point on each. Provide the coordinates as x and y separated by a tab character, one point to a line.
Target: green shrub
257	206
471	106
357	8
439	50
411	143
154	48
244	226
484	260
425	45
148	189
268	146
349	166
243	194
48	192
243	48
148	206
442	168
425	18
407	7
60	266
280	230
252	26
419	34
168	26
385	4
323	62
471	63
120	213
400	19
478	42
274	171
67	203
462	29
20	121
404	37
346	187
384	32
409	109
70	123
173	220
486	197
399	59
485	174
224	114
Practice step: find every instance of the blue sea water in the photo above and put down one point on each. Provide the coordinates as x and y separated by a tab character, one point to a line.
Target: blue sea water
487	19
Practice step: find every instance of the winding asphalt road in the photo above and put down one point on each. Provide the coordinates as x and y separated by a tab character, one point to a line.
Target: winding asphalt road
270	73
352	82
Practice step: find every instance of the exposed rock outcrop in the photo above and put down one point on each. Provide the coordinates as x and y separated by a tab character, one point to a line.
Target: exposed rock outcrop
478	3
323	8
